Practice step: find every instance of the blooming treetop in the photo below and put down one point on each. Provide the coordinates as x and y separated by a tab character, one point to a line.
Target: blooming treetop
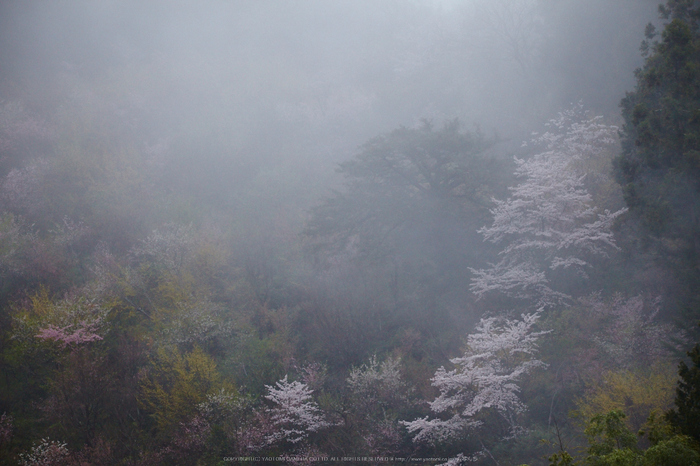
549	222
68	336
373	382
295	414
45	453
71	321
497	356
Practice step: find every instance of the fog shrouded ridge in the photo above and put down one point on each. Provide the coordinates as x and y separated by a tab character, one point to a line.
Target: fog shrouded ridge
252	90
346	68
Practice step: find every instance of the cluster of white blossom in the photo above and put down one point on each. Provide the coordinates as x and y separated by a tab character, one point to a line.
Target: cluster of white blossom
69	232
198	321
295	413
76	308
168	247
47	452
498	355
631	334
221	404
373	382
549	222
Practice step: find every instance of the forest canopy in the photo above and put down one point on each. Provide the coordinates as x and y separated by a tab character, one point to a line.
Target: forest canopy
309	231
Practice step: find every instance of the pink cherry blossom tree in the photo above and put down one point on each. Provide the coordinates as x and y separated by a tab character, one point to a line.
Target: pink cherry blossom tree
71	336
72	321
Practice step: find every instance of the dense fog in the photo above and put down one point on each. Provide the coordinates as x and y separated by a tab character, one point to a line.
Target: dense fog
448	231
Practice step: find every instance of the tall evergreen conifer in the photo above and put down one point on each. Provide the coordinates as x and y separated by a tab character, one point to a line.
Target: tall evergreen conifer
659	167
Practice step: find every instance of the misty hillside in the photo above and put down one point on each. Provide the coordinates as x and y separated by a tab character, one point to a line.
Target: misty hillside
334	231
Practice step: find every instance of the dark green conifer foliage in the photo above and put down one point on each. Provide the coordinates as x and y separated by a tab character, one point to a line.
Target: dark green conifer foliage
686	415
659	167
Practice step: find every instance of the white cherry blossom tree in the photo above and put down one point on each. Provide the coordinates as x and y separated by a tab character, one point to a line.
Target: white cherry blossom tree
550	222
498	355
295	413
